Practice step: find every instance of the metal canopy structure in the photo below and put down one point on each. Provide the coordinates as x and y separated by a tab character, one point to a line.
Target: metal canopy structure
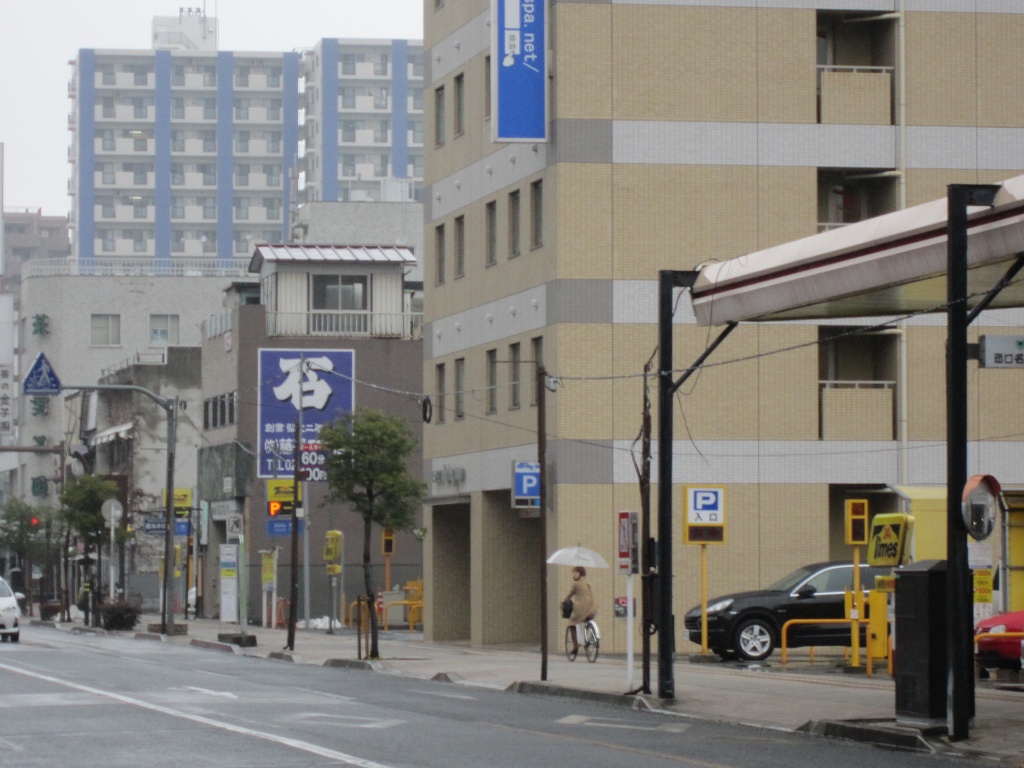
889	265
958	256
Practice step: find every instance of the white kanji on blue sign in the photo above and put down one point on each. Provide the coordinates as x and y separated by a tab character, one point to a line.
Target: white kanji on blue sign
705	505
319	384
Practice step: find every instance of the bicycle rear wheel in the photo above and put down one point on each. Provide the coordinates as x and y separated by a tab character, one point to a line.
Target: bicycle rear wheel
593	643
570	654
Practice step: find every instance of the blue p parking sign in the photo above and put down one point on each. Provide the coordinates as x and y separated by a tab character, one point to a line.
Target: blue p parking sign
705	514
525	484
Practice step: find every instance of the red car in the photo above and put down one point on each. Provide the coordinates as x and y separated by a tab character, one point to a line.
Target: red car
1000	652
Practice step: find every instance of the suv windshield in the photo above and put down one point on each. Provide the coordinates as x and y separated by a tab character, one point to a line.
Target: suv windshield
786	583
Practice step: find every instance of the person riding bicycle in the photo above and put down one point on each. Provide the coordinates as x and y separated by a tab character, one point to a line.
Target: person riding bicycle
583	606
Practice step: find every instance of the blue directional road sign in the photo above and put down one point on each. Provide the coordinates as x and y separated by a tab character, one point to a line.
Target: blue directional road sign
525	484
182	528
281	527
41	379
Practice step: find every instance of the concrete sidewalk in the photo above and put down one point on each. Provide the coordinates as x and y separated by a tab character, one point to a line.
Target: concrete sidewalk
816	696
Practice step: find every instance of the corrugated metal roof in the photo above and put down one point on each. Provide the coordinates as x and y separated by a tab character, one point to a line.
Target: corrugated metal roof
308	254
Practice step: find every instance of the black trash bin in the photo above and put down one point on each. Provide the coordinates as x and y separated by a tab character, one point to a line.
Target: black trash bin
921	660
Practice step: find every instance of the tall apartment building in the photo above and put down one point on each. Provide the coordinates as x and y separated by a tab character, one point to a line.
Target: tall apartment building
28	234
678	133
186	151
363	121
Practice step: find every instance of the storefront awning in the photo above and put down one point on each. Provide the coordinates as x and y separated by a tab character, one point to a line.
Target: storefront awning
121	431
894	264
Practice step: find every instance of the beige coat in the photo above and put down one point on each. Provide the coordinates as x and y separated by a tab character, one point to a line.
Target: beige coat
583	606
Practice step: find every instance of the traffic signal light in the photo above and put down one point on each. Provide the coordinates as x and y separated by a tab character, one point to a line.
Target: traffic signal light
387	542
34	522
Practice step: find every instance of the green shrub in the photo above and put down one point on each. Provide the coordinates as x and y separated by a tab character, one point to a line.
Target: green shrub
119	615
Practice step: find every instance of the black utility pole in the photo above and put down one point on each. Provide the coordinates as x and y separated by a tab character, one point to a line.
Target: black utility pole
959	618
542	448
668	280
293	592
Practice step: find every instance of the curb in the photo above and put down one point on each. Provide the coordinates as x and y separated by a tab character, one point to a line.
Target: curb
550	689
879	735
364	664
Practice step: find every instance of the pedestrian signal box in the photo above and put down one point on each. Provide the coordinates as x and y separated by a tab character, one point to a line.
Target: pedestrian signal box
332	546
387	542
856	522
280	508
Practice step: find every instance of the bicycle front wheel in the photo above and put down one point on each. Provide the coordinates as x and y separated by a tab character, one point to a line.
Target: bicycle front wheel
593	644
570	654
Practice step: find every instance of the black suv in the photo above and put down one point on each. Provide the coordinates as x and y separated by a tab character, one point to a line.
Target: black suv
749	624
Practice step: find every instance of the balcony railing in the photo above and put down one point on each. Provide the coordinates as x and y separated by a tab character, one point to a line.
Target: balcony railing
400	325
857	410
147	267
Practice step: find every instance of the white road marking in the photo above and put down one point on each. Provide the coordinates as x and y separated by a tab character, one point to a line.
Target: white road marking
303	746
343	720
600	723
208	692
446	695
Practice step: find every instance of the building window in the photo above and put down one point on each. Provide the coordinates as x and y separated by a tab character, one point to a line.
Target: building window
242	141
487	87
439	255
337	292
241	208
537	343
108	140
380	100
348	131
491	233
439	385
348	98
513	376
105	330
492	380
537	214
209	240
460	246
439	116
242	77
459	95
209	109
513	224
209	207
209	141
242	175
460	388
163	330
272	208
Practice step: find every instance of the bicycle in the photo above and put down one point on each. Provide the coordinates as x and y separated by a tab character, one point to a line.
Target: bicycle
589	637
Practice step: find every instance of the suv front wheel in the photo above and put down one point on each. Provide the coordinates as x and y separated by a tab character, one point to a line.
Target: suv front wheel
755	639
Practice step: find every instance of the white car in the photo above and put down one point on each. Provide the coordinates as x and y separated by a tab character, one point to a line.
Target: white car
10	613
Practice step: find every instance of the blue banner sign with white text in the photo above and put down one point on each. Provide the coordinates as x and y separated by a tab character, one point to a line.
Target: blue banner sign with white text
519	70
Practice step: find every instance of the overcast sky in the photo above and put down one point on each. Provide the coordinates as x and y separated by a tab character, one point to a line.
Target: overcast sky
39	37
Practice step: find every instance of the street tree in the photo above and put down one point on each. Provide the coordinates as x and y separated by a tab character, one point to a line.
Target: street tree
81	503
21	533
367	467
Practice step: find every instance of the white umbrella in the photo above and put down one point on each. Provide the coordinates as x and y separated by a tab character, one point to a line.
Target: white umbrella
577	556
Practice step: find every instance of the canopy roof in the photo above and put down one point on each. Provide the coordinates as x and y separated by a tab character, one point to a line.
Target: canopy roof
889	265
348	254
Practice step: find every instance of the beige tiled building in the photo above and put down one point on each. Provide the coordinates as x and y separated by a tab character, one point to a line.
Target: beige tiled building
681	132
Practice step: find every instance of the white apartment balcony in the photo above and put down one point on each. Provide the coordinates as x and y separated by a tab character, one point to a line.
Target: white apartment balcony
346	323
855	95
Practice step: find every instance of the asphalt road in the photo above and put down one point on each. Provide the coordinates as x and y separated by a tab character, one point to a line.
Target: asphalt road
80	700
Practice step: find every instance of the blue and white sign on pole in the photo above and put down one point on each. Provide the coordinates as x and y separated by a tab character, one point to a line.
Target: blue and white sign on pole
41	379
525	484
519	73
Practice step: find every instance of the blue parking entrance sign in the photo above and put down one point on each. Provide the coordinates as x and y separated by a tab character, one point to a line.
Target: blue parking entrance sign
41	379
525	484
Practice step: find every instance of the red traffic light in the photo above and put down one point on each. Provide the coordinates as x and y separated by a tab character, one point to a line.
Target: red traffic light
34	521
